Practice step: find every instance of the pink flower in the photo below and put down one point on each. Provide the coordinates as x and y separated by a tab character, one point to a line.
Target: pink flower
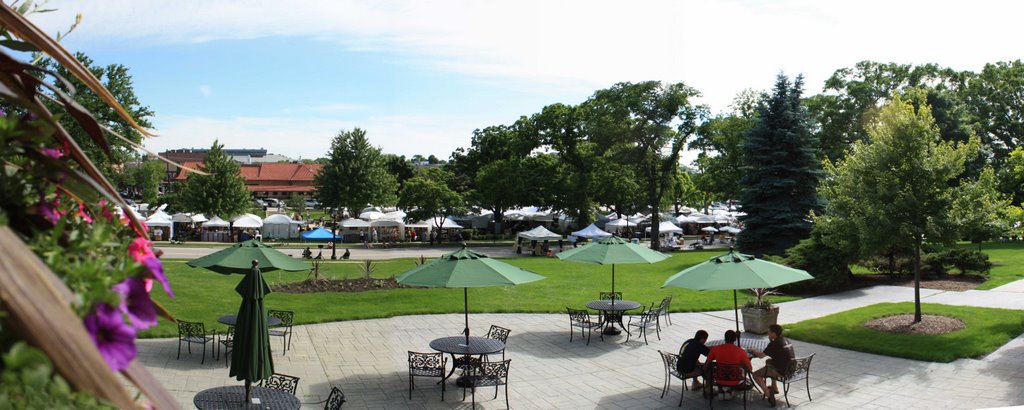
113	338
52	153
136	303
140	249
156	269
83	213
107	213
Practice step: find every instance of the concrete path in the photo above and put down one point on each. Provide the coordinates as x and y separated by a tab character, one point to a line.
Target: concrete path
367	360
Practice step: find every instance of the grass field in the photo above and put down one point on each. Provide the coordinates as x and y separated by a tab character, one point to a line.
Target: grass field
1008	262
204	295
987	329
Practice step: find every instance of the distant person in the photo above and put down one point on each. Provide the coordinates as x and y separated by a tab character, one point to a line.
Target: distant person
362	236
689	357
572	240
346	255
780	353
306	254
373	235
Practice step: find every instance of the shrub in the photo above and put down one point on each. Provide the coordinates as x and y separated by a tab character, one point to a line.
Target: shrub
967	261
829	265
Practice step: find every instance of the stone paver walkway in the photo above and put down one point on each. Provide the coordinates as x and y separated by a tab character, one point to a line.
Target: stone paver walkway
367	360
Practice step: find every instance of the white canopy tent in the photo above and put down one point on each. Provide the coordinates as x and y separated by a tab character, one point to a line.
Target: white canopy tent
539	233
247	221
616	224
666	227
198	218
591	232
354	223
250	216
709	229
161	219
216	222
686	219
280	226
370	215
181	218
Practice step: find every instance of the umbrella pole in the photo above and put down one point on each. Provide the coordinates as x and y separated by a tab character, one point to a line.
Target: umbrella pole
248	392
613	285
465	297
736	309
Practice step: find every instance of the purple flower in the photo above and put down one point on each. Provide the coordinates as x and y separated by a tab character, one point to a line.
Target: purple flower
136	303
52	153
157	270
113	338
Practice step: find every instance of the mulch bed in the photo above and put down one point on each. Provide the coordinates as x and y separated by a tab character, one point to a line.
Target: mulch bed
341	285
929	324
956	283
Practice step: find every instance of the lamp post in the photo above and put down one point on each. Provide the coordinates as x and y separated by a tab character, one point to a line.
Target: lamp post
334	236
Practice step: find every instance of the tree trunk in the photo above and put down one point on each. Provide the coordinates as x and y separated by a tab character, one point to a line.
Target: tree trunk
917	280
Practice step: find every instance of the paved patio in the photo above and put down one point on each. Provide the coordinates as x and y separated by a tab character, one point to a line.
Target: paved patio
367	360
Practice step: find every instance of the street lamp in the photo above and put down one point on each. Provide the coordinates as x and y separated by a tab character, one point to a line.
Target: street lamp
334	236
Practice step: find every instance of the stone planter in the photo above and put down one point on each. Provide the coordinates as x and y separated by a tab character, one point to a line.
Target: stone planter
757	320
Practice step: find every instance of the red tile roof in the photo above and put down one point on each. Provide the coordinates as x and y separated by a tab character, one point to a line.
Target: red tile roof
284	174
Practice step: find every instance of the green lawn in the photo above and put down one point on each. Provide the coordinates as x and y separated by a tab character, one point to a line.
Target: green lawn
203	295
1007	260
987	329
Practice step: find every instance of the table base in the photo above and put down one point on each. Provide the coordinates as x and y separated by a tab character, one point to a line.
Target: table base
611	331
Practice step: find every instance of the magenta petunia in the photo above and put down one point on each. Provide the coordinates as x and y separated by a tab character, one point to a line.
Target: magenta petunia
113	338
52	153
82	212
139	249
157	270
49	211
136	303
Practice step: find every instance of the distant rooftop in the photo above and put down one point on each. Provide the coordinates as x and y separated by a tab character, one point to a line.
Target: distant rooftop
252	152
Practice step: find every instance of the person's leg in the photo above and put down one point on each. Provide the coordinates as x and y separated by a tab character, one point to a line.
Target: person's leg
759	376
774	375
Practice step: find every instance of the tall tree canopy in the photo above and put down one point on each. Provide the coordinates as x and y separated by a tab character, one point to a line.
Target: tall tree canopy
781	173
355	175
427	197
898	190
222	192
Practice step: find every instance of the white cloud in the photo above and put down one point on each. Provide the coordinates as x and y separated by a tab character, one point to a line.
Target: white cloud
327	108
205	90
718	47
311	138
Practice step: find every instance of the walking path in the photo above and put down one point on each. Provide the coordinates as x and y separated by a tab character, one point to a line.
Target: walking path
367	360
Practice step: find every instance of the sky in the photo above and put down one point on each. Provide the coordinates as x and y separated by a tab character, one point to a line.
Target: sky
419	76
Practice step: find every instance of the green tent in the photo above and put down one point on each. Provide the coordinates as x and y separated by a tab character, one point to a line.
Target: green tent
238	258
732	271
250	354
466	269
611	251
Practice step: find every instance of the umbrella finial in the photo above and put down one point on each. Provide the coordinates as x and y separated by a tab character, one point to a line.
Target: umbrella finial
255	263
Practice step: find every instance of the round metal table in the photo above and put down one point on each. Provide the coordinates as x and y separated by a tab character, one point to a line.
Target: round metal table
230	320
611	311
233	397
456	345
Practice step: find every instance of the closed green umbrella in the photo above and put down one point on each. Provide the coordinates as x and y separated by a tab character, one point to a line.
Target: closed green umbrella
466	269
237	258
612	251
733	271
250	354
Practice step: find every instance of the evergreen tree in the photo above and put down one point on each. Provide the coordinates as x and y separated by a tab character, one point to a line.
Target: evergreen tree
355	175
781	173
223	192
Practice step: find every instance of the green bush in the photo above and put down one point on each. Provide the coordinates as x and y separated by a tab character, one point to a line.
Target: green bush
829	266
933	265
968	262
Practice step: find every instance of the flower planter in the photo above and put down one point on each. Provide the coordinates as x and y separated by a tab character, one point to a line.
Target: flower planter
757	320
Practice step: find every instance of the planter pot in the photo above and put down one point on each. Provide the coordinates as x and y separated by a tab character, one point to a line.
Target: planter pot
757	320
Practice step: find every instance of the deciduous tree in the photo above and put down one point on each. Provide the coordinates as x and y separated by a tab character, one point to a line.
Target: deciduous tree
222	192
355	174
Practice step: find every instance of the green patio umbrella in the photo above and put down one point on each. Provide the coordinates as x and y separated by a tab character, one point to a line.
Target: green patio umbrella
466	269
238	257
612	251
732	271
250	353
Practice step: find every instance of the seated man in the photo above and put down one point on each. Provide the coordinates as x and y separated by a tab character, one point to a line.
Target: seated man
306	254
689	364
347	254
780	353
729	353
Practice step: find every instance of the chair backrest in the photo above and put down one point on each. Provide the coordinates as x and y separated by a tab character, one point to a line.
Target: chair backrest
191	329
578	315
799	368
496	372
671	361
665	303
286	316
610	296
335	400
230	334
426	361
728	372
282	382
498	333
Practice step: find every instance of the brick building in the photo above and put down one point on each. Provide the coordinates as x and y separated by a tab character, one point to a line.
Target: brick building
272	180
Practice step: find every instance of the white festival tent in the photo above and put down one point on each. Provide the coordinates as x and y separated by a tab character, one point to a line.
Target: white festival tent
616	224
280	226
666	227
162	220
216	222
730	229
198	218
247	221
539	233
354	223
591	232
684	219
181	218
370	215
709	229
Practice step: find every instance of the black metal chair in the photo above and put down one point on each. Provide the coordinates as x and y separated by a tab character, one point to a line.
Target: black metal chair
498	333
728	373
335	400
643	321
799	369
226	341
490	374
666	304
671	361
283	330
581	319
611	316
193	332
282	382
426	365
610	296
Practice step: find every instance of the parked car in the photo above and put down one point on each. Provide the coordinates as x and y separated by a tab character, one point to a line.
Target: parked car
272	202
312	203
